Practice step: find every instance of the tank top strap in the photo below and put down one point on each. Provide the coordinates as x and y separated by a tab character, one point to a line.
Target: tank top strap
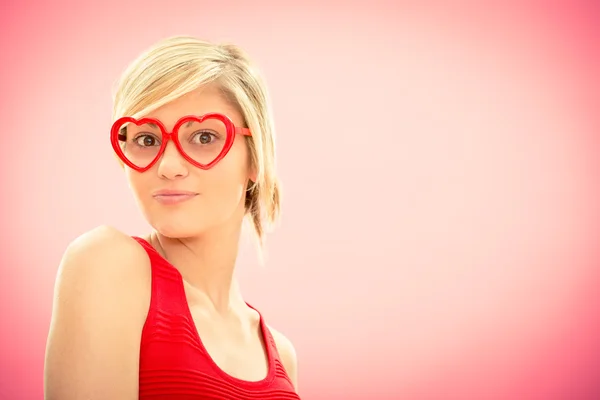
168	293
275	362
267	337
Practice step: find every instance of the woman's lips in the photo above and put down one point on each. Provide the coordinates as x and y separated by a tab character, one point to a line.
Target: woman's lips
173	196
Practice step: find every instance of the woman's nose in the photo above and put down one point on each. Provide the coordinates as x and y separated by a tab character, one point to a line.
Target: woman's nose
171	164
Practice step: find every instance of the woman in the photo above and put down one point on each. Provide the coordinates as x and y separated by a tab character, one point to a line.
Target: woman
162	316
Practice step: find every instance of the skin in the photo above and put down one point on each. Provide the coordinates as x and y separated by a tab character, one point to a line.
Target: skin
102	291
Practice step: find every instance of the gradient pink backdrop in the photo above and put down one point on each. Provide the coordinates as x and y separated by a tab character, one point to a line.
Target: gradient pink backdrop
440	169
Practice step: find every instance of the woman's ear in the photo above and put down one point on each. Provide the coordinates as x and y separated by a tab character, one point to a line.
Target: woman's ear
250	185
252	174
250	195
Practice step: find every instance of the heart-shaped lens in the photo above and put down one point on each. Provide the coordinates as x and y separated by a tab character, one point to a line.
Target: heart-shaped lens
139	144
203	141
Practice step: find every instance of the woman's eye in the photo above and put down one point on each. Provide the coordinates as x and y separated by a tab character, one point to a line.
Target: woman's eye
204	137
145	141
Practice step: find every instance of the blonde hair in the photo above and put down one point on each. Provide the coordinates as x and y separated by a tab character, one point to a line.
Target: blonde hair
178	65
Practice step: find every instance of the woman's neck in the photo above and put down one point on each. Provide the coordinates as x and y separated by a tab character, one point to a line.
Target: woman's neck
207	264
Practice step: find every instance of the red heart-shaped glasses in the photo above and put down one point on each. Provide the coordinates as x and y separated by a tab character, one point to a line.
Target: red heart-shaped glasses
201	140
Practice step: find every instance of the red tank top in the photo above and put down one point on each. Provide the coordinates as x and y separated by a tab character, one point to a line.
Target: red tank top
175	365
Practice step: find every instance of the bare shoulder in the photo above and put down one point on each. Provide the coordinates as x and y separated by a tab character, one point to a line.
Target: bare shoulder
104	242
101	298
288	355
101	261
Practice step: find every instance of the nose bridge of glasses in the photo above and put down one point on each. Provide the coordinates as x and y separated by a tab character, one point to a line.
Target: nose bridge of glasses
172	143
173	134
170	148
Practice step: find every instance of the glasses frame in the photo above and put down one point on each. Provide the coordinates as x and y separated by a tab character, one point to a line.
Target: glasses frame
232	131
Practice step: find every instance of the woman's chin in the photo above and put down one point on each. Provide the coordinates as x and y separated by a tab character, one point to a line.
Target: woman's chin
173	229
180	225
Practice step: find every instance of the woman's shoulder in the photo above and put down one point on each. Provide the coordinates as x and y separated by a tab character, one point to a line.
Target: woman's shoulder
105	243
100	302
103	255
103	276
287	353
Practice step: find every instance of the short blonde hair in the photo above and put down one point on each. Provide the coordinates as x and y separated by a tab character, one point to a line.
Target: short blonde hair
178	65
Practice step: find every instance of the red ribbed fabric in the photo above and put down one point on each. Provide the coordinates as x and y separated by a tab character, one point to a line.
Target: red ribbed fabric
173	361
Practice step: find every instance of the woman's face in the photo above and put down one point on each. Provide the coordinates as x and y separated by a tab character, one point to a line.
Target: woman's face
211	197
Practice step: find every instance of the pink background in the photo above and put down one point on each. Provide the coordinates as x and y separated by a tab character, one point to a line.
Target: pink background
440	169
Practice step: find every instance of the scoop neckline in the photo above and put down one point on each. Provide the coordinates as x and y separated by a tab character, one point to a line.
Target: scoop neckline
188	314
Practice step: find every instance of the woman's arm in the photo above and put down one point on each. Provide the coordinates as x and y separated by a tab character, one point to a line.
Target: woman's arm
101	300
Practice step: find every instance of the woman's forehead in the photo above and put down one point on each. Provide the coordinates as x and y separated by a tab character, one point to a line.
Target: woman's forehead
207	99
